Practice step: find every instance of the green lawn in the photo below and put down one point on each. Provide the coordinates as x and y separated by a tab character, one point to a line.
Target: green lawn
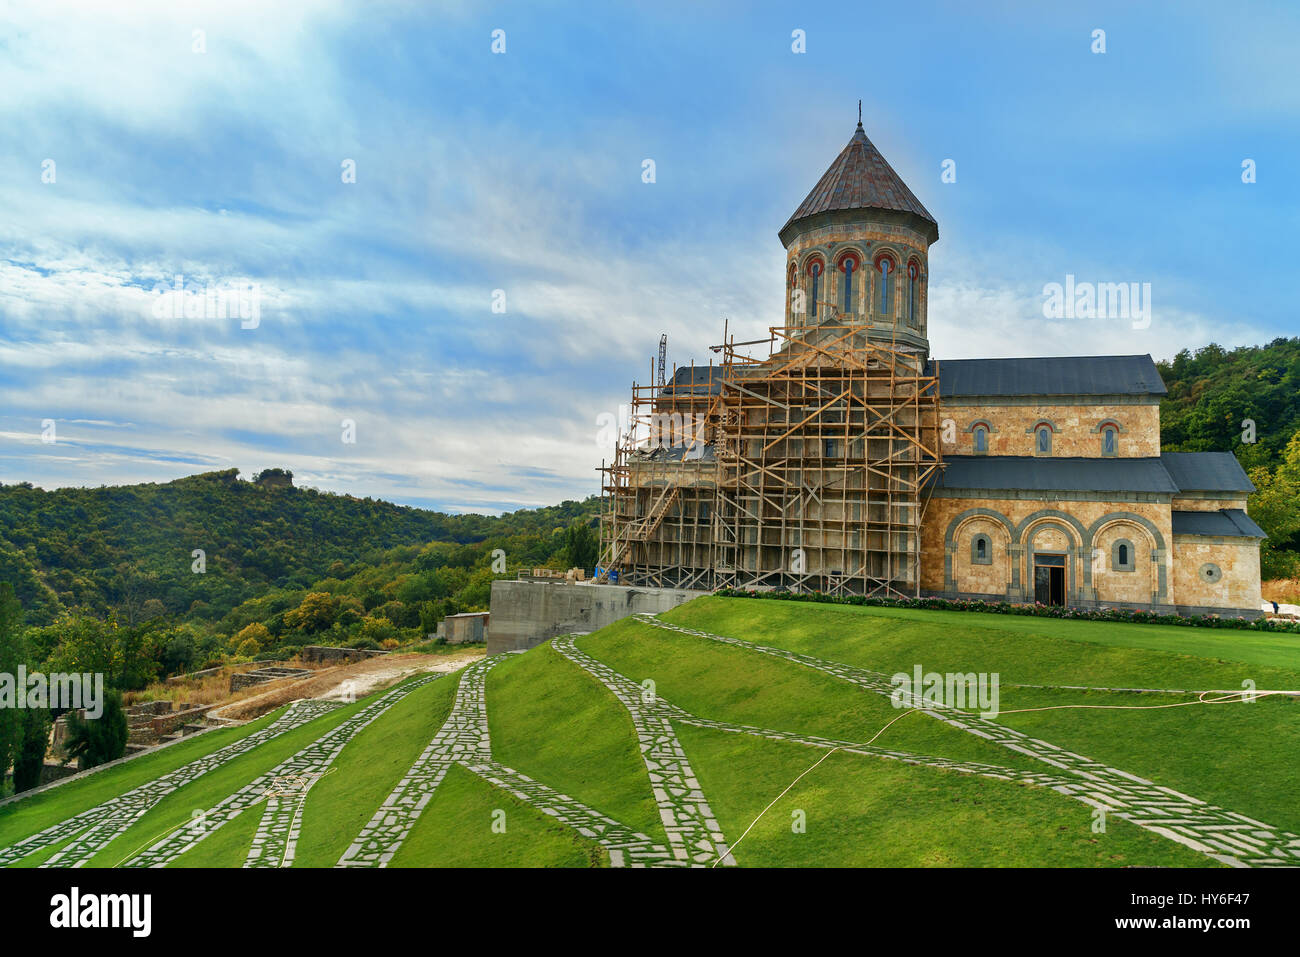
1240	756
176	809
872	812
19	819
456	830
557	724
227	847
1021	649
367	770
726	683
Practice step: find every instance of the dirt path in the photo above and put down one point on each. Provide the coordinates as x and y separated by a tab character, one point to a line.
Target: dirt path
343	682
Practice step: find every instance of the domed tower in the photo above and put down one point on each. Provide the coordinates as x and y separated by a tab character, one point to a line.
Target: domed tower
857	251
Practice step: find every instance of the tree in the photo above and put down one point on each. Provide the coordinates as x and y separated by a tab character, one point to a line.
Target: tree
12	654
127	657
316	613
581	547
93	741
32	744
179	649
256	633
1275	506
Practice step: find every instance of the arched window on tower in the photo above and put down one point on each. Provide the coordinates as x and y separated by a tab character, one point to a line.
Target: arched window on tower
1109	440
913	298
1043	439
981	437
792	293
885	266
848	266
814	286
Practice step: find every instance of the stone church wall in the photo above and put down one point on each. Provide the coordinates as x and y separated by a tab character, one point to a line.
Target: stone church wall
1075	428
1086	531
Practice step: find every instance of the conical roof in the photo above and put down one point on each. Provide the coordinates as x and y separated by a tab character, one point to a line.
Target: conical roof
860	178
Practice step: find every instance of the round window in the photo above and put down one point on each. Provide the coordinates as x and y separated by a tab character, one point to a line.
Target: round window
1210	572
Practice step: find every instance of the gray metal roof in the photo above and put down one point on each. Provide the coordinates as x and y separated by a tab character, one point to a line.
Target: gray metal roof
860	178
1055	474
690	380
702	380
1229	522
1055	375
1173	472
1207	472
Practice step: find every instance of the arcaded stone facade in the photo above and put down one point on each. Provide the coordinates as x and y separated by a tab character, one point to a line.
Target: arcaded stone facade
1001	479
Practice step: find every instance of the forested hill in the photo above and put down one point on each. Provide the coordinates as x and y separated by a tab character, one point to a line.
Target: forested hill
1212	391
120	548
1216	399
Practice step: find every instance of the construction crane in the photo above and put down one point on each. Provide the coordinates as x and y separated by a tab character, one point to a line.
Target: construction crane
663	359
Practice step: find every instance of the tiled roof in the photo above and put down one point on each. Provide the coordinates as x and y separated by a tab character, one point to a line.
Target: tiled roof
860	178
1225	522
1055	375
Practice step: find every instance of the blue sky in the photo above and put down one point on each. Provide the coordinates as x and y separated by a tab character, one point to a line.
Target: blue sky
521	172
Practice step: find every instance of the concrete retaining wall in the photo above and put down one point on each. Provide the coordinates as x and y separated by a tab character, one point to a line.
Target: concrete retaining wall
526	613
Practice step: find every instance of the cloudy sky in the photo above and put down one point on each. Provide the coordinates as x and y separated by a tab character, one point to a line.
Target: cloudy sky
213	141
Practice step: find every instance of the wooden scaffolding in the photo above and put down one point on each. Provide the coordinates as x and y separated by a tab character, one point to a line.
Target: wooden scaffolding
808	469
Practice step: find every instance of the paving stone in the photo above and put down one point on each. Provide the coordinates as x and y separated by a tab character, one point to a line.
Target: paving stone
283	788
96	828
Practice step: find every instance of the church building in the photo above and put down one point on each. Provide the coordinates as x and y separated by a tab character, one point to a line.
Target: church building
837	455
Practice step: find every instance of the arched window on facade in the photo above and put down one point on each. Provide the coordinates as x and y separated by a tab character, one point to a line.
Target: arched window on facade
848	266
980	437
913	292
1109	440
1043	440
981	550
885	267
814	286
1122	558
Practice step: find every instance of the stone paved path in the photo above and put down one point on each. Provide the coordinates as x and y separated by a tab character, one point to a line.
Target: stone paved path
464	739
95	828
1226	836
693	830
276	839
307	763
